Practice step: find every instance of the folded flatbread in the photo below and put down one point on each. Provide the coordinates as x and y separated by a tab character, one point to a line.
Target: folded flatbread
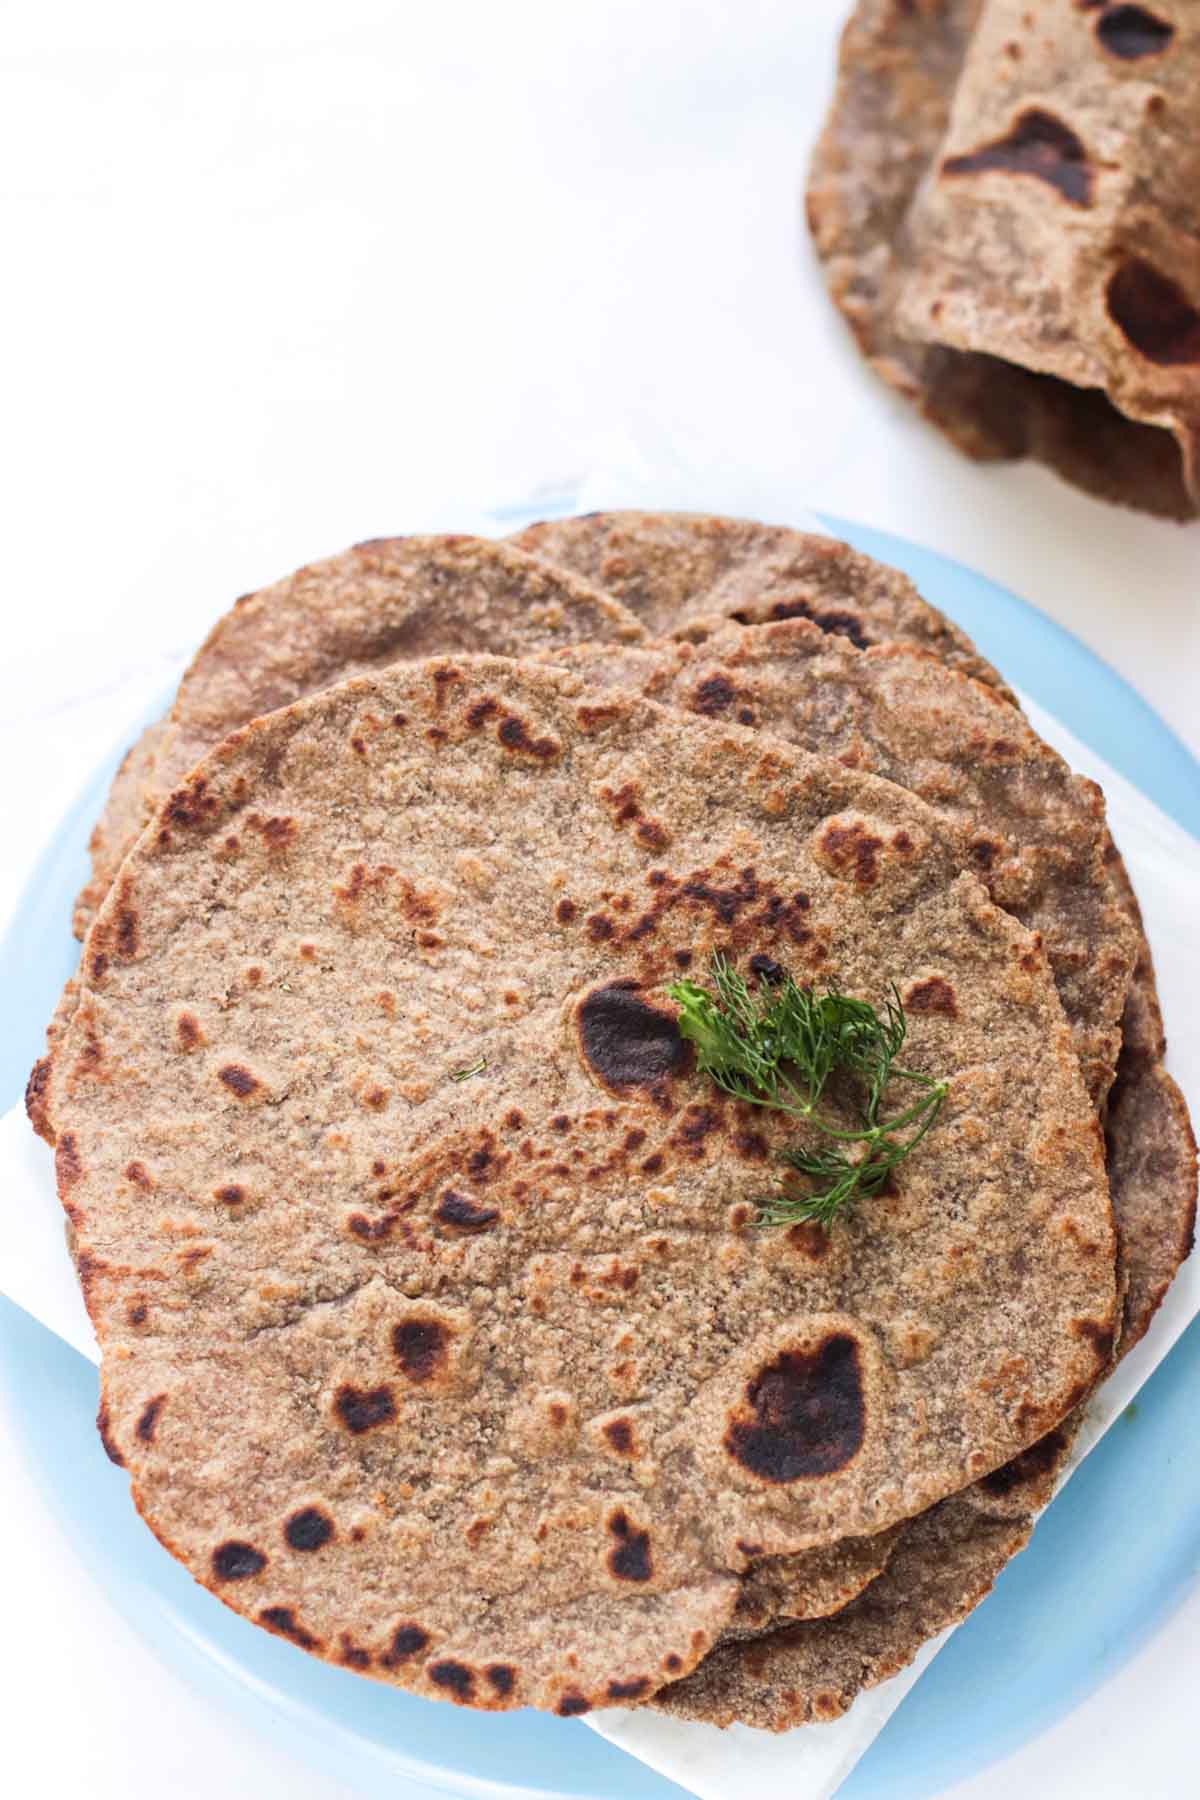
1004	199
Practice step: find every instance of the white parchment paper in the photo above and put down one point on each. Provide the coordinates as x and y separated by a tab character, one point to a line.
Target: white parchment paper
743	1764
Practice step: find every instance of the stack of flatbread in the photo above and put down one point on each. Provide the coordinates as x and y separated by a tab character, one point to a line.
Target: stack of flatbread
1004	199
439	1333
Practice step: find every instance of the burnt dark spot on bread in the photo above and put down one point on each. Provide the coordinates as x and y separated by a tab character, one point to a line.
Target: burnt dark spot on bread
421	1347
283	1621
932	995
1098	1333
239	1080
1132	32
235	1560
850	849
148	1419
502	1677
572	1704
308	1529
804	1415
1154	314
625	1041
352	1655
766	970
407	1641
463	1214
361	1409
634	1688
1037	144
629	1559
455	1678
513	733
619	1433
714	695
67	1165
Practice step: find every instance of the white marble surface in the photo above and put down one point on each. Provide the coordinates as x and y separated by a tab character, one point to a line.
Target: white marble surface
281	276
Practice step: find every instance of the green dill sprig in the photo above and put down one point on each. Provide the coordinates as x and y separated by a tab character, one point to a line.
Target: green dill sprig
780	1050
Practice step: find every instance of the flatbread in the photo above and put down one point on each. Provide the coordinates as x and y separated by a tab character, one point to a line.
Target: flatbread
944	1563
1009	805
385	601
683	573
1003	199
502	1424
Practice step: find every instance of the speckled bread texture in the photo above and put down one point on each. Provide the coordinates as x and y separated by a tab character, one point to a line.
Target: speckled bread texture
1004	199
683	573
1010	807
944	1563
486	1386
389	600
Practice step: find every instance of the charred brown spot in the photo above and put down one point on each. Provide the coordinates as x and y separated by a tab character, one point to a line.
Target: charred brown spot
810	1239
456	1678
750	1144
353	1655
767	970
283	1621
99	965
375	1098
308	1529
277	833
127	932
713	696
852	850
1031	1464
436	735
633	1689
805	1414
407	1641
833	622
502	1678
933	995
138	1314
188	1033
673	1663
230	1195
1154	314
106	1437
513	733
239	1080
463	1214
1131	32
136	1172
725	902
421	1347
626	1042
361	1409
682	958
1097	1333
372	1231
148	1422
651	834
1038	144
235	1560
565	911
481	711
443	680
572	1704
619	1433
66	1161
984	852
514	1119
629	1560
655	1164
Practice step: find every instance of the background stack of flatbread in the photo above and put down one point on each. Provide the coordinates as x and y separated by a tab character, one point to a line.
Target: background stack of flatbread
438	1334
1004	202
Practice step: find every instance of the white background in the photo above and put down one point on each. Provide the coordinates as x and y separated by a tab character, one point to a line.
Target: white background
280	277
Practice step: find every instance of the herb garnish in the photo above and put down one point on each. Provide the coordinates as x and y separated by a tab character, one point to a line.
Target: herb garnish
476	1068
780	1051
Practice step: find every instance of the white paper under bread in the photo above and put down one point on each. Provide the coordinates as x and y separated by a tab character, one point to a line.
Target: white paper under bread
742	1764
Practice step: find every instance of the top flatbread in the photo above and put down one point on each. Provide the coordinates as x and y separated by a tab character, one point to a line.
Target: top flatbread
1004	199
483	1384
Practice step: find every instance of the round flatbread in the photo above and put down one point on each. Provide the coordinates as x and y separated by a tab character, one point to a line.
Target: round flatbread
434	1335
